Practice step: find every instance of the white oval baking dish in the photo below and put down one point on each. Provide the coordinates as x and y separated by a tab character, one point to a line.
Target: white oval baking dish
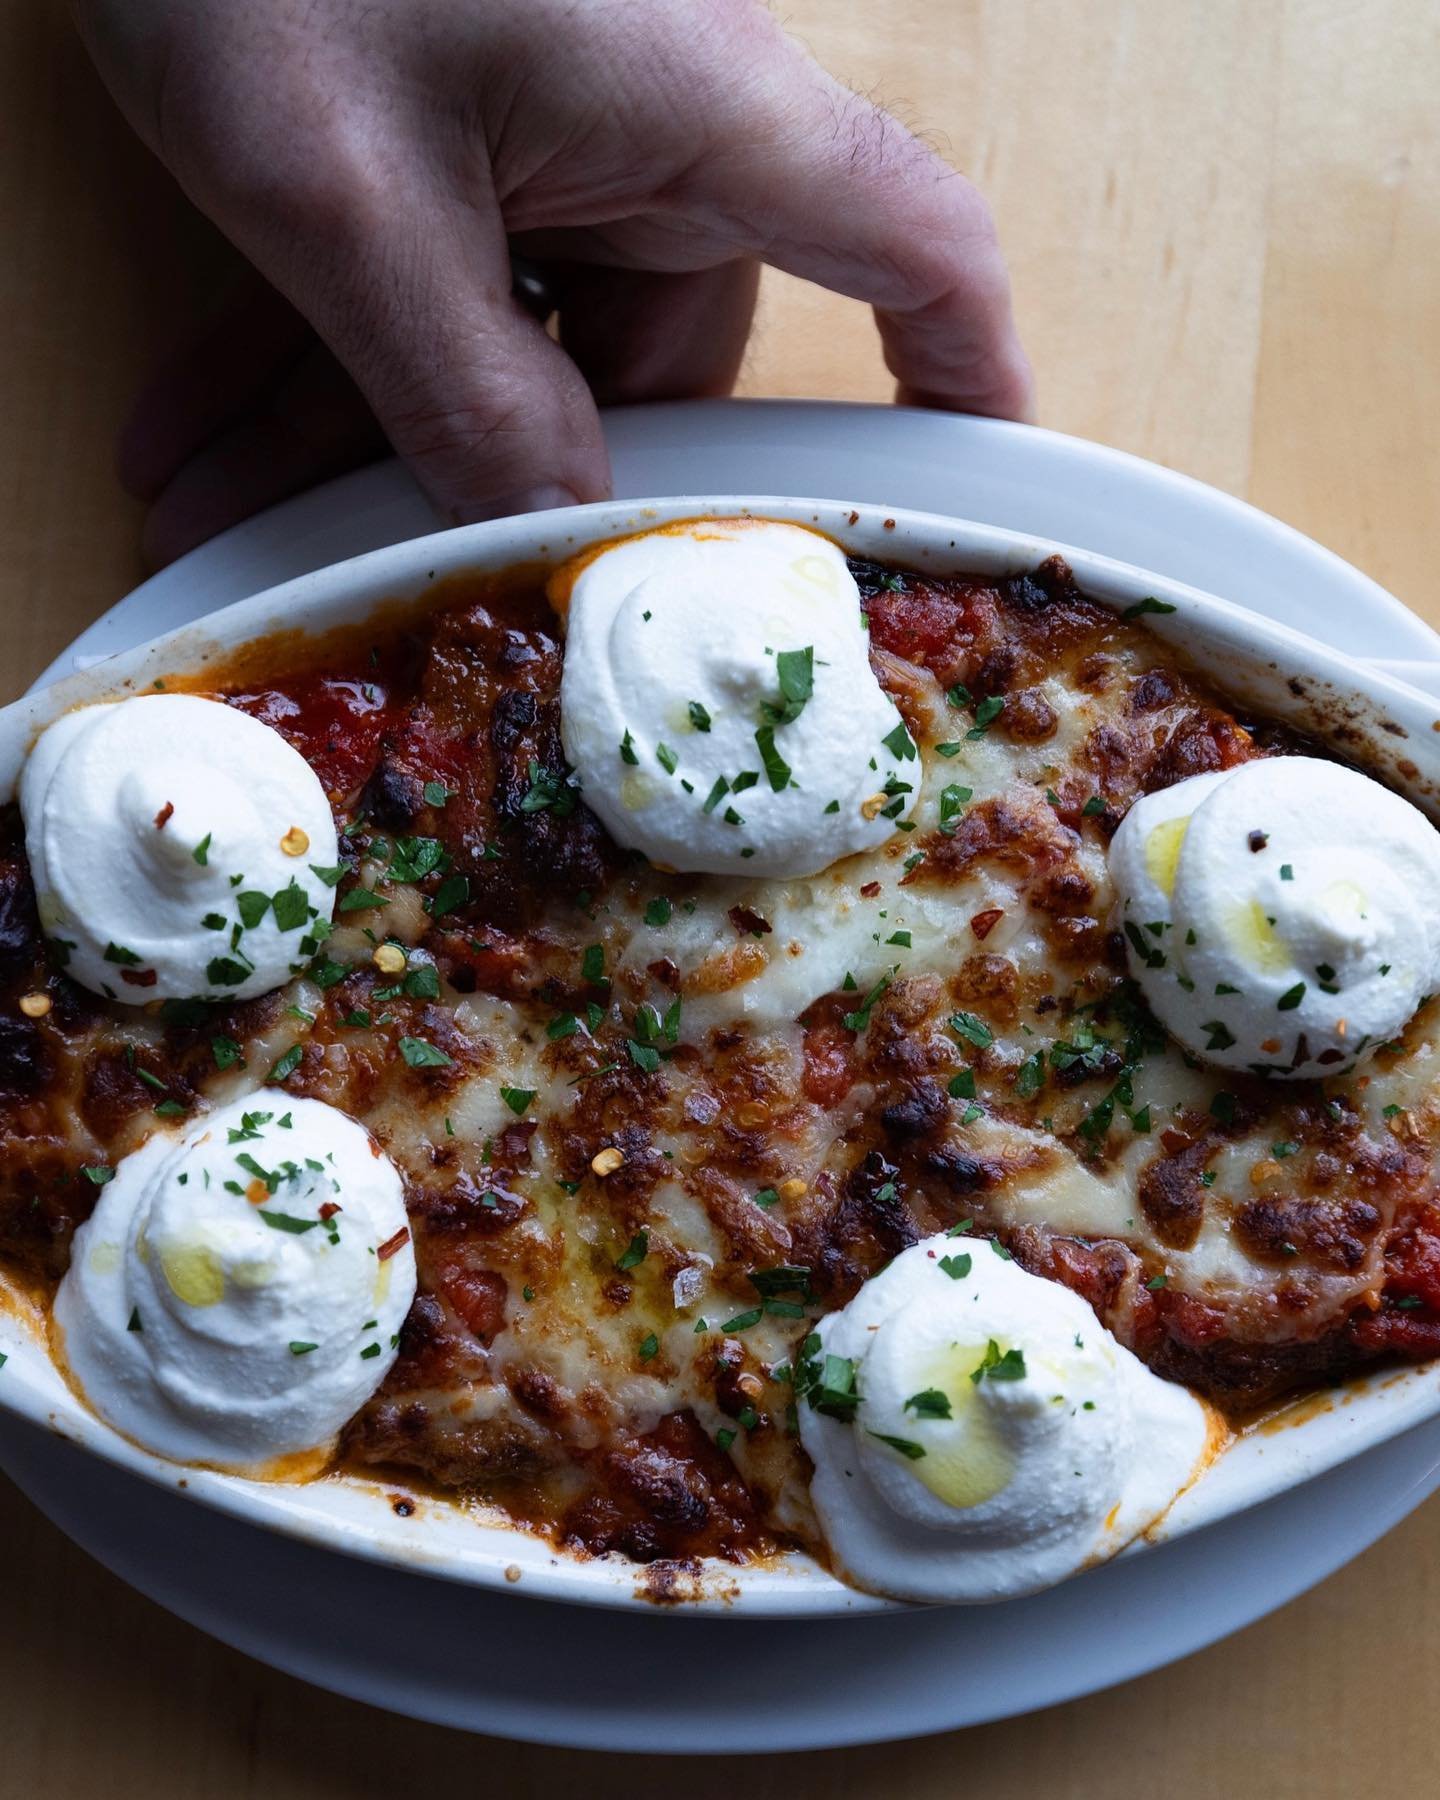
1366	715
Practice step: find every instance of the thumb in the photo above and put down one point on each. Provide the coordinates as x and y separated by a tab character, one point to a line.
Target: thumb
488	411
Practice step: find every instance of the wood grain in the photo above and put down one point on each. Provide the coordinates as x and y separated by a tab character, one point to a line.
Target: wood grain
1222	221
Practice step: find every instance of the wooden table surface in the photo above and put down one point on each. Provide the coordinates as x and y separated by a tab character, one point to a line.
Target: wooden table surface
1222	217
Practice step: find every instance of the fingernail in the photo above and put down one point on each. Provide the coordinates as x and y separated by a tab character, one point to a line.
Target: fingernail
527	500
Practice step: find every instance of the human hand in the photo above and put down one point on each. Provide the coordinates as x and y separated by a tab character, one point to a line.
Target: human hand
376	161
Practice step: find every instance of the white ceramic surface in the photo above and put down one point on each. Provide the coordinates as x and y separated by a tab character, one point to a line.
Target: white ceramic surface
941	1669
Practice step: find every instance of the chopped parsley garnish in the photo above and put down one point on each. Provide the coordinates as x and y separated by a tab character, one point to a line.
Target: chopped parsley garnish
453	891
929	1403
900	744
635	1254
360	899
328	874
565	1026
986	713
297	1348
953	799
649	1346
1093	807
1030	1076
1147	605
716	794
1291	998
776	767
860	1018
517	1099
98	1173
667	758
422	982
415	858
699	718
287	1064
436	793
592	963
627	750
958	696
421	1055
291	906
278	1221
658	911
1221	1037
548	792
201	852
117	953
795	670
1287	873
828	1384
995	1367
974	1031
905	1446
1156	1282
252	908
644	1056
949	749
962	1085
957	1267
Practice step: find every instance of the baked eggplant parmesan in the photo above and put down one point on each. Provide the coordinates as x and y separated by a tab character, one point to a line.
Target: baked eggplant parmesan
693	987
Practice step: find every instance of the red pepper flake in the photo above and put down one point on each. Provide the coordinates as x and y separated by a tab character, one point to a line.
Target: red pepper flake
329	1210
392	1246
162	818
743	919
1257	840
139	977
870	890
985	922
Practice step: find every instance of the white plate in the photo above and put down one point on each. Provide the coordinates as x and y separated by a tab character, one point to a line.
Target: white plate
1293	568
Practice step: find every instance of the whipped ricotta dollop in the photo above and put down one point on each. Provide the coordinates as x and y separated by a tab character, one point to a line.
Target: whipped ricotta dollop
718	704
978	1434
1280	916
173	843
238	1292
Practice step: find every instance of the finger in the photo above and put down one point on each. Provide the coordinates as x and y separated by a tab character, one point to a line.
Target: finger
823	184
255	337
314	424
414	299
637	335
869	211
